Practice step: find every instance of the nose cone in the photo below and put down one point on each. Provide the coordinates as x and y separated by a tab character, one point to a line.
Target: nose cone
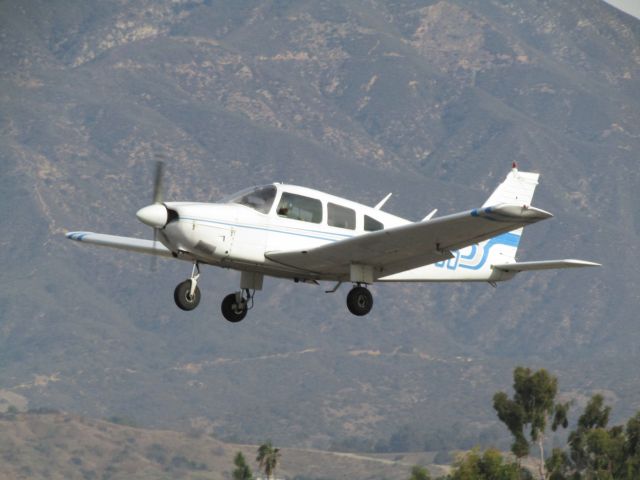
153	215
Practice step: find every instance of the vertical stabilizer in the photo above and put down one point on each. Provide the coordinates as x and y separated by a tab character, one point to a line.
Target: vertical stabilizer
517	189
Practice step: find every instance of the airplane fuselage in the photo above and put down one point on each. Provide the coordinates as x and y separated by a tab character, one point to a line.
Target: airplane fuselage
234	235
238	236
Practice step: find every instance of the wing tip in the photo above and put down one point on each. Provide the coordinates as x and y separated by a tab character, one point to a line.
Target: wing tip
582	263
77	236
511	211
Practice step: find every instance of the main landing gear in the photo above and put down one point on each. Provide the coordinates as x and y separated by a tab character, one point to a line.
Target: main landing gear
234	306
359	300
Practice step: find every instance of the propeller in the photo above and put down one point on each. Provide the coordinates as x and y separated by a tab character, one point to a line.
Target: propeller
157	182
156	214
157	200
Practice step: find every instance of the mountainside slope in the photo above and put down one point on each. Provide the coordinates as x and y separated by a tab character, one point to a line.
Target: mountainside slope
56	445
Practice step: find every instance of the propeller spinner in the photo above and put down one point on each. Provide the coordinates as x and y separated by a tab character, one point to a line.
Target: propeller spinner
155	215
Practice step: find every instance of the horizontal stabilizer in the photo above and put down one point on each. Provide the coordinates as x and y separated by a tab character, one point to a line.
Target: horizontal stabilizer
123	243
544	265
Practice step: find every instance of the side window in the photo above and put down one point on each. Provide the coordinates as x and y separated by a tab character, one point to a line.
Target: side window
299	207
371	224
341	217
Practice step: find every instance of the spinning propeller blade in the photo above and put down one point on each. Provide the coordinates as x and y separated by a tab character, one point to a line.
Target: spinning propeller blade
154	260
157	182
157	199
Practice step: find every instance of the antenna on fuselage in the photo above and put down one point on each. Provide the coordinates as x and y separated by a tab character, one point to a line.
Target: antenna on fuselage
430	216
383	201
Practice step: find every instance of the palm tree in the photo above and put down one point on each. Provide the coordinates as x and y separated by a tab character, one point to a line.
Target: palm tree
267	458
242	471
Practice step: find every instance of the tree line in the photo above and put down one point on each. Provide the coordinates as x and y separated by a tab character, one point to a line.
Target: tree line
594	450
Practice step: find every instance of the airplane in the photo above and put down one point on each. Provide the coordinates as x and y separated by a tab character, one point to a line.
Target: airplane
309	236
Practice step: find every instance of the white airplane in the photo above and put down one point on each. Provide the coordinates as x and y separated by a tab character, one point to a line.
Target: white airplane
309	236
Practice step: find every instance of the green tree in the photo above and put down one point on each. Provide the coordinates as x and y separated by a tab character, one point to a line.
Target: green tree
419	473
488	466
558	465
268	458
632	448
597	451
242	470
595	416
532	406
606	452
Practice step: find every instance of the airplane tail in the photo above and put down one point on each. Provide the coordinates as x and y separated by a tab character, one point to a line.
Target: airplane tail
494	259
499	253
518	189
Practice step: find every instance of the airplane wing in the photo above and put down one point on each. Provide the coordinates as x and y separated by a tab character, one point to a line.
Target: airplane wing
544	265
413	245
123	243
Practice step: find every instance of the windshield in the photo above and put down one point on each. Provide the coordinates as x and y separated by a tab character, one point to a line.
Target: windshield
258	198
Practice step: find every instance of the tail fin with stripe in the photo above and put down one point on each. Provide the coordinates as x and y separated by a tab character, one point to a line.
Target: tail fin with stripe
516	189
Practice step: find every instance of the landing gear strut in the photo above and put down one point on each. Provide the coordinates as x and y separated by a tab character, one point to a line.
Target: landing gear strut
187	293
235	305
359	300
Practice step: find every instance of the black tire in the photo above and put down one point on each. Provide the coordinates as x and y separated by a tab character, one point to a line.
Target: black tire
359	301
229	310
182	296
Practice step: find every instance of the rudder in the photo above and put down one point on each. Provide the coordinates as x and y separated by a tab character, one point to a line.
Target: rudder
517	188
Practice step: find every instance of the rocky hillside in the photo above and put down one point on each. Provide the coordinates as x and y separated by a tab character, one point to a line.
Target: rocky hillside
432	100
62	446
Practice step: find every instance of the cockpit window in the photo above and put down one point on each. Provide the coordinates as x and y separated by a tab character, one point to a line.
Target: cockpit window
300	207
259	199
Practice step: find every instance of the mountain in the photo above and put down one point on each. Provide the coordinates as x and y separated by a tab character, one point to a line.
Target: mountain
431	100
49	445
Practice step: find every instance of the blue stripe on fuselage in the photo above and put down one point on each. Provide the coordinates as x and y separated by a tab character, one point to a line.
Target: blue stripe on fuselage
509	239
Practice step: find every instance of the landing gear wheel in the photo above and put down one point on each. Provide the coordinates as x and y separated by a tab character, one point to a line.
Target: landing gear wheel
231	310
359	301
183	298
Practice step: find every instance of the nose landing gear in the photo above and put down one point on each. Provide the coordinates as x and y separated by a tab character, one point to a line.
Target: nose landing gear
234	306
187	294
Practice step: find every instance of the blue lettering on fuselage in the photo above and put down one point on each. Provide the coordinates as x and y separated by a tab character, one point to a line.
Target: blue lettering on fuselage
478	254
